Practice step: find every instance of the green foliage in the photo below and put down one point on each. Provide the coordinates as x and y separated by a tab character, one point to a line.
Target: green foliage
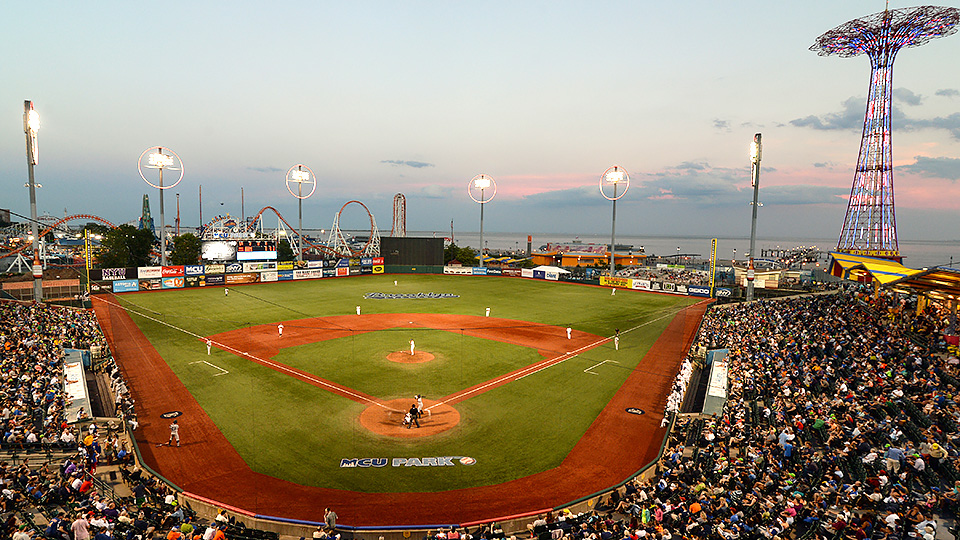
466	255
125	246
284	251
186	249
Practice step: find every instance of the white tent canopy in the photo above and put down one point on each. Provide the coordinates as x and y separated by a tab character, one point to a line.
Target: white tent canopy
556	269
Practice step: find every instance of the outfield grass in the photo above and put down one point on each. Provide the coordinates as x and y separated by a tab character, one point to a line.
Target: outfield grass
292	430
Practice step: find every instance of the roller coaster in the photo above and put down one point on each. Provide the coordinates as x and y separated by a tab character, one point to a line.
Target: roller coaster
222	227
27	247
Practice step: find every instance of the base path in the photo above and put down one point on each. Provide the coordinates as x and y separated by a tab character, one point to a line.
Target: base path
614	447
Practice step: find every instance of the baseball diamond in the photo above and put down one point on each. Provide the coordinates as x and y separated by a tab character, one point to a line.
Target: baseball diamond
509	419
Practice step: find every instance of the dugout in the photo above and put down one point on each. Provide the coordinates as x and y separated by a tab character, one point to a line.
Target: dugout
407	251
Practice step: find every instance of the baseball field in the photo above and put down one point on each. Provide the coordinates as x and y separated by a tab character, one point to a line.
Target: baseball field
319	408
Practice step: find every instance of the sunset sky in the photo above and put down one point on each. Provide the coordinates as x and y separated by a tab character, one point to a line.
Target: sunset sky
417	98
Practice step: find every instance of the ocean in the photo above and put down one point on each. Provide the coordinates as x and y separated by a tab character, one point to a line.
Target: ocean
916	253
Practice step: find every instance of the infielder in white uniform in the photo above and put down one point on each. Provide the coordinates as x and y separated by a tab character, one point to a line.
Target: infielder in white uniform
174	433
412	347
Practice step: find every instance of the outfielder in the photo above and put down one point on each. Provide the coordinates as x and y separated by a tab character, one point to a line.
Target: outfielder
412	347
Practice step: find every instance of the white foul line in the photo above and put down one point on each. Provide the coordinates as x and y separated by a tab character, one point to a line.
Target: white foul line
224	372
600	364
537	368
274	365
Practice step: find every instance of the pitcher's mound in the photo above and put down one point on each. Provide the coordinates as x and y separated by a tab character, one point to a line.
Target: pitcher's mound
404	357
388	420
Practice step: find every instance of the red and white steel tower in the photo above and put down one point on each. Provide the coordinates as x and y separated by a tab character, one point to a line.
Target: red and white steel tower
870	225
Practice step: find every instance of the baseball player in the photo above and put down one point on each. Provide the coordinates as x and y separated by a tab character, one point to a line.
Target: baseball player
174	433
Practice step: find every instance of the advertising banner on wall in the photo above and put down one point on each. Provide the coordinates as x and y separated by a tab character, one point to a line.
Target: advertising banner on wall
343	271
233	268
378	269
260	266
150	284
479	271
149	272
641	284
172	283
308	273
723	292
288	265
284	275
366	261
343	263
458	270
354	270
214	269
526	272
377	260
268	276
314	264
193	281
193	270
329	272
623	283
118	273
494	271
239	279
698	290
366	269
125	285
539	274
171	271
215	279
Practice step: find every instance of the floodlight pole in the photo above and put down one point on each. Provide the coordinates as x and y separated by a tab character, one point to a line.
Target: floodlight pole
481	227
299	218
163	237
613	233
31	124
755	154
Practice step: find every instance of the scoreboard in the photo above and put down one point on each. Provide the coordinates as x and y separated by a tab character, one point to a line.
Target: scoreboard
256	250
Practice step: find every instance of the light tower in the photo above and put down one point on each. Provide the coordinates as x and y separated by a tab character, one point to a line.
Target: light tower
870	225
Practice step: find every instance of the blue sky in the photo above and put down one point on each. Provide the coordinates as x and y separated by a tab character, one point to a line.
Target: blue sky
418	97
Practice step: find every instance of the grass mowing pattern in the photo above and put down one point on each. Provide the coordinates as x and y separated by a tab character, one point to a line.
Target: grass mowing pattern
292	430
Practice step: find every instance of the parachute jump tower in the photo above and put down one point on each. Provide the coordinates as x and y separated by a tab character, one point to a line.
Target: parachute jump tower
870	225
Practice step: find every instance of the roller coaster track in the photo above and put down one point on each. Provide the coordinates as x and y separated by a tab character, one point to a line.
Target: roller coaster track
318	247
57	224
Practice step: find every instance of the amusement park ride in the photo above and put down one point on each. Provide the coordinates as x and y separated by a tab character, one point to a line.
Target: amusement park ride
17	253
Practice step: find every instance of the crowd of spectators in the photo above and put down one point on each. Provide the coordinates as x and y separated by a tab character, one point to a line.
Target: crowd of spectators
841	423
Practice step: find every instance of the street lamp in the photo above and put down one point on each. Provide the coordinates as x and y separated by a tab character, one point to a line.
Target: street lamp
483	184
755	152
300	174
615	176
31	125
163	158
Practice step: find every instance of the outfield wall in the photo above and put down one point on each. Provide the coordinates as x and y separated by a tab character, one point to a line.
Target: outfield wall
151	278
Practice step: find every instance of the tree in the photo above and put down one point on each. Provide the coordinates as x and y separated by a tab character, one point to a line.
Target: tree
466	255
284	251
125	246
186	249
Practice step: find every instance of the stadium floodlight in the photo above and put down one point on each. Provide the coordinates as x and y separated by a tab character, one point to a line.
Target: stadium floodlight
300	174
482	183
31	125
615	177
161	159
